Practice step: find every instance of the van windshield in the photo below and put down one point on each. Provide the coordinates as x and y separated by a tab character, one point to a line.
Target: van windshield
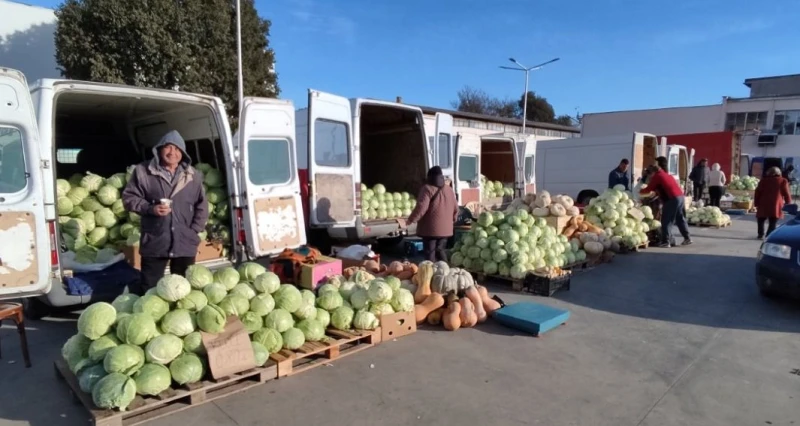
12	161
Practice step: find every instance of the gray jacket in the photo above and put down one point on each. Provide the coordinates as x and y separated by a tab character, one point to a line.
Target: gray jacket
174	235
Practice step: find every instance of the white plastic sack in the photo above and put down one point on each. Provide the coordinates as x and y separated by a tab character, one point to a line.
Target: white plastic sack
68	262
355	252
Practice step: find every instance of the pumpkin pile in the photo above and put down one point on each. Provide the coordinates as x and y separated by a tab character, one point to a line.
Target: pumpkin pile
437	296
403	270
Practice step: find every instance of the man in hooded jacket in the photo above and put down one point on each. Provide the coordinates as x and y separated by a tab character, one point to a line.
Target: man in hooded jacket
167	192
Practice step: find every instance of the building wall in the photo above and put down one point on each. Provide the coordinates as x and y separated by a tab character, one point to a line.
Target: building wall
699	119
27	40
788	144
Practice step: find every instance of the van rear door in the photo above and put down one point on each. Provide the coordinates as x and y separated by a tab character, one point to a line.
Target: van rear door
28	246
521	151
268	177
444	149
468	170
331	165
528	165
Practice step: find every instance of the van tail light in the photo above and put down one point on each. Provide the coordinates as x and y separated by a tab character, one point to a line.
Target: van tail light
53	244
240	234
358	195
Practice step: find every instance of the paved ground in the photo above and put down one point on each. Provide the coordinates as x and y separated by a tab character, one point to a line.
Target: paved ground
664	337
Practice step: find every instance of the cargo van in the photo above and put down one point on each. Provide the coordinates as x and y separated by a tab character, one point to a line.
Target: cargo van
64	127
344	143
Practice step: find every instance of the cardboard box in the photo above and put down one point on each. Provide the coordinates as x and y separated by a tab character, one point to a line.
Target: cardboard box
397	325
206	251
230	351
313	275
558	222
347	263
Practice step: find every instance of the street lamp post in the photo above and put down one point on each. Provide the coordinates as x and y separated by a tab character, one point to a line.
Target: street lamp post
240	76
527	71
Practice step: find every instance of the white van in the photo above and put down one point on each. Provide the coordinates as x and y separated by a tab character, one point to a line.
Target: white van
579	167
67	127
343	143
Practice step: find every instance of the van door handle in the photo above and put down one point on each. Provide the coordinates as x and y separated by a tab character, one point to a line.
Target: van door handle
285	197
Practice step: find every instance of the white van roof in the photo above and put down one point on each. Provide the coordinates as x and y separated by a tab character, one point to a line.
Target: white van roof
49	83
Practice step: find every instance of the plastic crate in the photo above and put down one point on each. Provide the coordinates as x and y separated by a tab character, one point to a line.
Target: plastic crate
547	286
413	246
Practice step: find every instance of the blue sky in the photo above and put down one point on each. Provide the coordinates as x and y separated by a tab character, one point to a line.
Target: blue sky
615	54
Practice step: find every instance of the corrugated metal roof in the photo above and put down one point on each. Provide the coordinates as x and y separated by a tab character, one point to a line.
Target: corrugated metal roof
502	120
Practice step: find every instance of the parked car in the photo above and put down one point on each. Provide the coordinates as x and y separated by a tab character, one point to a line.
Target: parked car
778	262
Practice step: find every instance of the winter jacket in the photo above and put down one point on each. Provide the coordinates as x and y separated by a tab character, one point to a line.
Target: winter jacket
716	177
771	194
173	235
435	214
699	175
616	177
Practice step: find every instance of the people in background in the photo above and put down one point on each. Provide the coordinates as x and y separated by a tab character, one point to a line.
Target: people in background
789	174
716	185
619	176
699	177
771	194
674	205
435	214
167	192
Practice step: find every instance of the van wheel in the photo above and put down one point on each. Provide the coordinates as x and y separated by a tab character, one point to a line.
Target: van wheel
34	309
319	239
585	196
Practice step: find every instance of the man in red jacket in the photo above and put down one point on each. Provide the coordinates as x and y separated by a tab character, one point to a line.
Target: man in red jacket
674	210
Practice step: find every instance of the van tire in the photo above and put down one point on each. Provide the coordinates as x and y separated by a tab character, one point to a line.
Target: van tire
321	240
585	196
34	309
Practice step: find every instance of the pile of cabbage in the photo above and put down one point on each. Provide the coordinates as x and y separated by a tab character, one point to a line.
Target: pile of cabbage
359	302
494	189
94	223
649	220
376	203
512	243
614	212
707	216
740	183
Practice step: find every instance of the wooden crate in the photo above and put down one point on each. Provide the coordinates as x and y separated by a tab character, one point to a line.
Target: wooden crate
516	284
338	344
145	409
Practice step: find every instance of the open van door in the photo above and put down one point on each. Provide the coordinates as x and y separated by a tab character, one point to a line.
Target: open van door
268	177
444	149
528	166
468	171
28	244
331	161
521	154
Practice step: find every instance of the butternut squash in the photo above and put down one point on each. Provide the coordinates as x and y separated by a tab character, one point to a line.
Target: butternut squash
489	304
435	317
475	297
430	304
451	318
467	316
424	276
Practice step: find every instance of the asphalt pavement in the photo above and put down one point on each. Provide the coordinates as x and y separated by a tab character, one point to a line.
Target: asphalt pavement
664	337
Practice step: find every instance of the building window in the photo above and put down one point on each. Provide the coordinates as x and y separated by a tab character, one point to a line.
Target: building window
477	124
746	121
787	122
496	126
460	122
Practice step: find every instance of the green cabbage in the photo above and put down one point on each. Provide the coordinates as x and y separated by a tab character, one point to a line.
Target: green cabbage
267	282
323	317
199	276
227	276
216	195
211	319
186	368
178	322
96	320
118	208
312	329
194	301
152	379
107	195
403	301
248	271
234	305
252	322
173	288
193	343
77	195
114	391
64	206
365	320
91	182
381	309
62	187
152	305
330	300
288	297
163	349
359	299
136	329
279	319
243	289
213	178
262	304
126	359
105	217
99	347
306	311
215	292
75	349
124	303
97	237
260	353
293	338
342	318
91	205
379	292
89	376
270	338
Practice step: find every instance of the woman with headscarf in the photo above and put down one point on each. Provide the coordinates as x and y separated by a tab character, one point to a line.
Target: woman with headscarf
716	185
771	194
435	214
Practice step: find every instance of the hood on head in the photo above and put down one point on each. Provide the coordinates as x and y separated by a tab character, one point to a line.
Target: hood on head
435	176
174	138
715	167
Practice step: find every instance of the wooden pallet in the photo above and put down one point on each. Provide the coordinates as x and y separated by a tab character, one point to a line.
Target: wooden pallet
516	283
640	247
708	225
146	408
338	344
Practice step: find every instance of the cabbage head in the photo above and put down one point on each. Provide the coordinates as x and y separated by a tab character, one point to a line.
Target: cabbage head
270	338
178	322
118	208
216	195
163	349
86	255
330	300
152	305
186	368
248	271
75	349
114	391
97	237
403	301
77	195
107	195
227	276
262	304
379	292
268	282
306	311
193	343
199	276
293	338
308	296
279	319
91	182
152	379
90	205
342	318
359	299
96	320
215	292
381	309
312	329
99	347
136	329
64	206
365	320
394	282
252	322
325	288
260	353
234	305
106	255
346	289
323	317
125	359
288	297
89	376
117	181
194	301
213	178
243	289
211	319
62	187
173	288
74	243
